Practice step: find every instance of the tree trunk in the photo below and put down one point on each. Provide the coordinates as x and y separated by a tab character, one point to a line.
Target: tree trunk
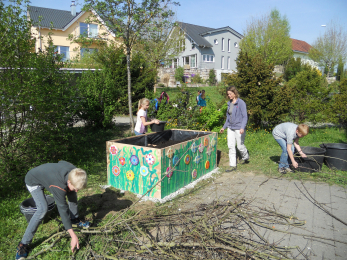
129	91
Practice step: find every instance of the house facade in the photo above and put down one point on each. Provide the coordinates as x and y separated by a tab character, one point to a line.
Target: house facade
208	48
301	50
67	28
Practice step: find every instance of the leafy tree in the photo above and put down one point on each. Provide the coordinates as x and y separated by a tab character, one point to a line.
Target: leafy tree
129	20
268	37
267	101
36	97
310	90
340	75
104	92
330	47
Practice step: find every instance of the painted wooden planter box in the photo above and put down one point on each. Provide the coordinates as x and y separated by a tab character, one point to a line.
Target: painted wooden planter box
137	163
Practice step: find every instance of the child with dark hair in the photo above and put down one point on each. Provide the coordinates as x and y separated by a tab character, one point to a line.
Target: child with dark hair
202	100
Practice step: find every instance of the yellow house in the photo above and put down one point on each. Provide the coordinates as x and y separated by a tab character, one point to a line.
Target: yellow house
71	32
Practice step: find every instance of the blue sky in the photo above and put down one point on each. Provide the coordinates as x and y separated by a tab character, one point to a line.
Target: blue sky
305	16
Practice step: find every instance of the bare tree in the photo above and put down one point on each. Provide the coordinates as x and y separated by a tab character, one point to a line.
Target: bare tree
330	47
161	42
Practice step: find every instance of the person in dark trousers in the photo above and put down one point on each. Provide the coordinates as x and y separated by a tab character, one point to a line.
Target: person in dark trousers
63	180
287	136
236	123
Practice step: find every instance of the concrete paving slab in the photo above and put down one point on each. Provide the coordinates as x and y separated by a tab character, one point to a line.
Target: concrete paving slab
322	237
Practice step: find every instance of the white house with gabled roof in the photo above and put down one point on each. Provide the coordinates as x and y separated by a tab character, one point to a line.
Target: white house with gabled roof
208	48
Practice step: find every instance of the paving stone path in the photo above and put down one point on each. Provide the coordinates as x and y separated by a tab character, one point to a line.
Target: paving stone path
288	197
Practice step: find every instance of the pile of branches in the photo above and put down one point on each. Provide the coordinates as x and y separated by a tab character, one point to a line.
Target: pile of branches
220	230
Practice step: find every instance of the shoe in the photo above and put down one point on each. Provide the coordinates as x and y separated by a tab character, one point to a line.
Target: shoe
245	161
22	251
282	170
288	169
77	223
231	169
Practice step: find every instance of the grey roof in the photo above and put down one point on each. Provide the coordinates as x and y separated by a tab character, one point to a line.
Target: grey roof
194	32
226	28
59	18
197	32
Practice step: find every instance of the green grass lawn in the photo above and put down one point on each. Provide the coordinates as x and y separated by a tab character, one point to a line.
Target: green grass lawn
88	151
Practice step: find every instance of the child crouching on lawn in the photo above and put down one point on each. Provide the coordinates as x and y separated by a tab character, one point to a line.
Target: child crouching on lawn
62	179
285	134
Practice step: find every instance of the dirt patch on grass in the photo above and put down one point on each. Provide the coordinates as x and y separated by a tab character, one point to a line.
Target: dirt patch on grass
110	201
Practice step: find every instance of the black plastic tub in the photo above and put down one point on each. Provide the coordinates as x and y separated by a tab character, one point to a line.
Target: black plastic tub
158	127
314	160
28	208
336	155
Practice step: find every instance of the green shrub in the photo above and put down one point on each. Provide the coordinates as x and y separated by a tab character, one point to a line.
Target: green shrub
292	68
179	73
338	110
37	100
212	77
310	90
266	99
196	79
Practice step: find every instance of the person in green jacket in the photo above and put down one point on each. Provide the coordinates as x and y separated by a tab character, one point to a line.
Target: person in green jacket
63	180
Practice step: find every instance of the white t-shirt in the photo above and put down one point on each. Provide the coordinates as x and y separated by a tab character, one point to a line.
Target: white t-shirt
139	127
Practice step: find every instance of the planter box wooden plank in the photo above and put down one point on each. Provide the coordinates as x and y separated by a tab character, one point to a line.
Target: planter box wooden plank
137	163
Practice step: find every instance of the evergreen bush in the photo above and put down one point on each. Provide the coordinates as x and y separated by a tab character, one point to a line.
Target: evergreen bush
267	100
310	90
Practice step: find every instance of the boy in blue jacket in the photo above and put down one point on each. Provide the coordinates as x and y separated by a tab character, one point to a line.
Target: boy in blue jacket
62	179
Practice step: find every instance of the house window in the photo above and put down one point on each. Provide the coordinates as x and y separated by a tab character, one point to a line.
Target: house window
192	61
215	41
175	63
89	30
222	44
63	51
228	45
207	58
186	60
222	65
228	63
87	50
236	45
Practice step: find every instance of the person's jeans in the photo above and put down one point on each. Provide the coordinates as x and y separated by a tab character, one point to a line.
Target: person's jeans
42	208
234	135
284	160
137	133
